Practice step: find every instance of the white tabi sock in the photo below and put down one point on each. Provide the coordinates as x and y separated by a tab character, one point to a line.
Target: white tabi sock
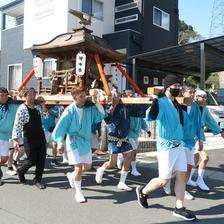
78	185
192	173
123	176
133	165
201	172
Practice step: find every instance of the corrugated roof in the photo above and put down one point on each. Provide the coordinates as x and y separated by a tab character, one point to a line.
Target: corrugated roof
185	59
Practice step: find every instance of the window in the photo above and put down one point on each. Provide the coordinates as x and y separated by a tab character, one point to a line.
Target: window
94	7
14	76
126	19
98	10
87	6
49	67
161	18
12	21
127	6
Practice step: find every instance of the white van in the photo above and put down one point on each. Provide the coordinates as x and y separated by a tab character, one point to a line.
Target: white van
216	110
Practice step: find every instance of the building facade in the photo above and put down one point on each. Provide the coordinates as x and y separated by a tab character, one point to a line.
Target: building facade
29	22
130	26
143	26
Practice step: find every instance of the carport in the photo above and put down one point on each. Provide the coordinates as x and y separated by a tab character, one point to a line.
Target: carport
194	59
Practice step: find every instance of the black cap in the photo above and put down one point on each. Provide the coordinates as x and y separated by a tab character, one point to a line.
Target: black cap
172	79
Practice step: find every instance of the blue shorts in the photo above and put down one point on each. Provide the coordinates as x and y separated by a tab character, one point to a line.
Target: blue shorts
114	149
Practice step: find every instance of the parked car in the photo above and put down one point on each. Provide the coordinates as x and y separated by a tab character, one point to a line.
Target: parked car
216	110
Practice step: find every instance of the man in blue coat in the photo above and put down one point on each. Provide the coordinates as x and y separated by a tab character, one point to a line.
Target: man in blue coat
171	156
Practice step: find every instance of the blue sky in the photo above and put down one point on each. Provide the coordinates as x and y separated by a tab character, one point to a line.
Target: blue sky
197	13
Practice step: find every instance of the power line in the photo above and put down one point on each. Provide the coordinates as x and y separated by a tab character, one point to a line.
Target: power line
217	21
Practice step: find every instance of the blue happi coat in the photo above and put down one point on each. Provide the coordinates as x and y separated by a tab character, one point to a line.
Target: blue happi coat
119	122
192	127
168	126
137	124
7	121
208	121
77	129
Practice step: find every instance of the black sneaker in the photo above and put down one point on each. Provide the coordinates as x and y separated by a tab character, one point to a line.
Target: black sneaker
54	162
142	198
184	214
1	174
21	177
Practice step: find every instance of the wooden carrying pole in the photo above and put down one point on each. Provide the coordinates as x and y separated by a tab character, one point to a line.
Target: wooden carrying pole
26	80
130	80
102	74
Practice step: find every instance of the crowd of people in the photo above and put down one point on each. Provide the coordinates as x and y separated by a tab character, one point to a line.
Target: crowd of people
31	127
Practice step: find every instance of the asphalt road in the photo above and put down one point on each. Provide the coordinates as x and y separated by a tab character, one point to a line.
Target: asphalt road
23	204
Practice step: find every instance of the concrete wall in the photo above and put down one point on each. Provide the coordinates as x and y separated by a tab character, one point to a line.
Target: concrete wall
13	53
98	26
42	22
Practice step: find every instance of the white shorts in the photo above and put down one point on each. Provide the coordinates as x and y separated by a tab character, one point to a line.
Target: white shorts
4	148
74	158
47	136
196	148
94	142
134	143
171	160
189	156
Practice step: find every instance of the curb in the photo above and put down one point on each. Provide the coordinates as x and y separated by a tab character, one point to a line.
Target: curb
144	161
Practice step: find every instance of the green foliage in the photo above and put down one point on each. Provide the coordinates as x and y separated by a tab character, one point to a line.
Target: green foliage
186	33
192	80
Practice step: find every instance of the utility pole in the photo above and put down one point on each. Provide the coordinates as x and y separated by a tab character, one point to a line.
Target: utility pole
217	21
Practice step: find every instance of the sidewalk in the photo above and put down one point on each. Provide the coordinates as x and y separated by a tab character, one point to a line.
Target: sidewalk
214	145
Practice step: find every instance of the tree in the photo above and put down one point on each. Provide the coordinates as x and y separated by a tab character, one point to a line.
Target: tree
186	33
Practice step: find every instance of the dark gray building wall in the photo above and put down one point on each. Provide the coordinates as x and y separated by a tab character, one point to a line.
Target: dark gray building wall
12	52
155	37
148	37
128	39
135	25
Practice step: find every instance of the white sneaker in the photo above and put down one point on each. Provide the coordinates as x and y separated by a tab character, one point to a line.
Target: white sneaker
124	187
188	196
11	172
99	175
192	183
202	185
167	188
135	173
79	197
71	182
